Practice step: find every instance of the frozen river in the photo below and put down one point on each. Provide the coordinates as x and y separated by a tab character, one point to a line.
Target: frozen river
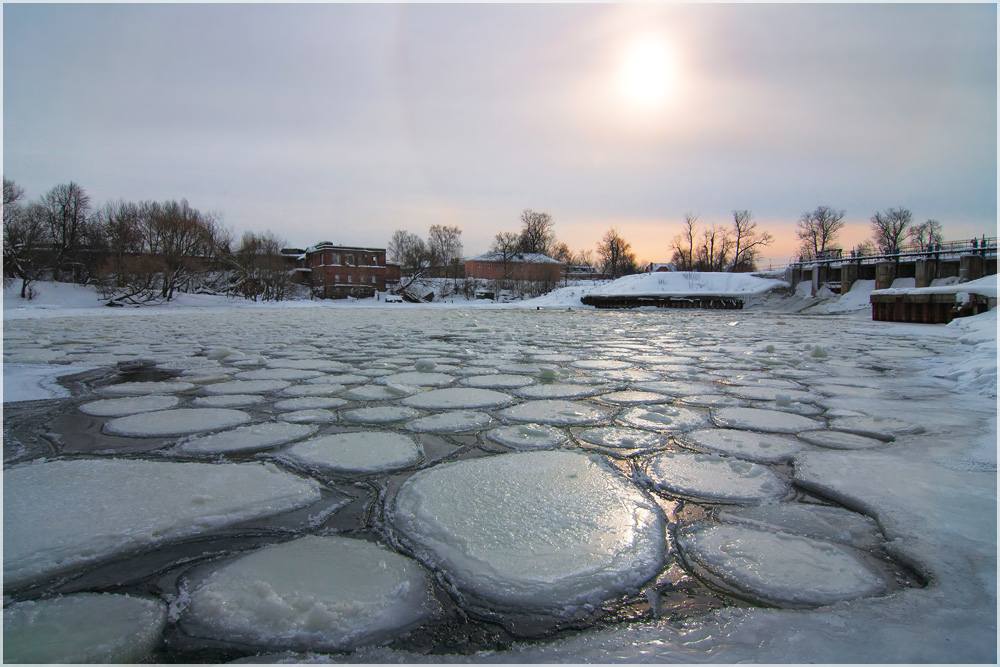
379	485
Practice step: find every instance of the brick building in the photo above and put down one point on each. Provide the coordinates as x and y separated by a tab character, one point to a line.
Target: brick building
337	272
520	266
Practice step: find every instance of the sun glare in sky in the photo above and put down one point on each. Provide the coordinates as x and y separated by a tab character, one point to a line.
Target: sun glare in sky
647	76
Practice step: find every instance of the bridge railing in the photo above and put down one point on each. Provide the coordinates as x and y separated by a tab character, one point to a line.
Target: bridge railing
985	246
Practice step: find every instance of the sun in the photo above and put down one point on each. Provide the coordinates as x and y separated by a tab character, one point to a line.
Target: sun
646	74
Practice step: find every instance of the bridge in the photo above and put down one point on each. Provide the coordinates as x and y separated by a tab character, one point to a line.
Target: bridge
967	260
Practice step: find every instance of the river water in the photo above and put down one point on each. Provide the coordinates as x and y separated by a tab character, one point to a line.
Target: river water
628	363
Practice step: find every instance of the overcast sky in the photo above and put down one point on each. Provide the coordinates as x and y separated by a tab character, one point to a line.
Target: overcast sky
344	123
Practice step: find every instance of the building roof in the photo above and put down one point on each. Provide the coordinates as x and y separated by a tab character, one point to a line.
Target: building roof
518	258
326	245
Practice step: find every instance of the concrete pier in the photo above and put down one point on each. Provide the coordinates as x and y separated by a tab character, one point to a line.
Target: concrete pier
970	267
704	301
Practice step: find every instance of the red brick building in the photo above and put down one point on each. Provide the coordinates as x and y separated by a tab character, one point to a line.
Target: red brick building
337	272
520	266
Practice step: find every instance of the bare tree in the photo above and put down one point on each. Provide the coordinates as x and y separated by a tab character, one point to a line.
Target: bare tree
411	252
185	240
444	245
747	241
66	208
927	234
891	228
507	245
537	235
12	195
260	271
25	236
617	258
713	253
122	224
683	244
818	230
561	252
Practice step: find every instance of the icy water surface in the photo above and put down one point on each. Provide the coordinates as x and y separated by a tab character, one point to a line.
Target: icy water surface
280	480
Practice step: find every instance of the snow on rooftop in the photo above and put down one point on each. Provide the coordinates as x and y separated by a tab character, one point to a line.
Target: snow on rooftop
518	258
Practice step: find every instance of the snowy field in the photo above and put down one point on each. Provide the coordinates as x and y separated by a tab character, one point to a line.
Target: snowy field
211	480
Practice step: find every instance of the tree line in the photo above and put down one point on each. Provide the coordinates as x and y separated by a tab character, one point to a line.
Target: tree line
134	252
733	248
891	230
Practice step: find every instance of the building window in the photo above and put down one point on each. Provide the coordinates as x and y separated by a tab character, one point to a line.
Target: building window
335	258
373	280
479	265
336	278
350	278
350	260
489	266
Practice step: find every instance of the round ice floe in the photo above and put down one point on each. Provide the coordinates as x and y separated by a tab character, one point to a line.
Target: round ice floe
227	401
119	407
246	386
778	568
309	403
303	390
497	381
662	418
527	436
600	364
711	401
620	437
143	388
419	379
574	533
763	447
560	390
559	413
371	392
755	419
629	375
379	415
840	440
344	378
818	521
720	479
678	388
768	393
883	428
82	628
60	515
632	397
207	376
455	421
528	369
313	594
361	451
276	374
458	397
324	365
254	436
182	421
315	416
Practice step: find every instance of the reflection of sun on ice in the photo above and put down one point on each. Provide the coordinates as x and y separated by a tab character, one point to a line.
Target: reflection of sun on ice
646	75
